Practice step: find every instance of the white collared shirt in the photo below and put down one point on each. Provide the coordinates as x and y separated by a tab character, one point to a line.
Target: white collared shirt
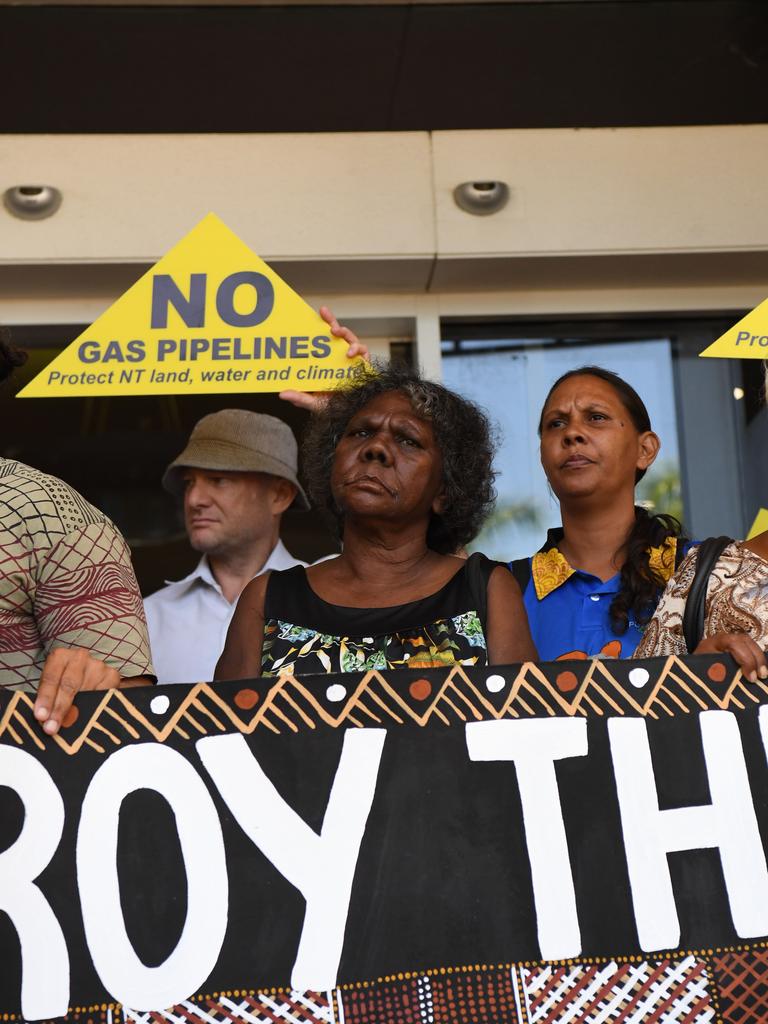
188	621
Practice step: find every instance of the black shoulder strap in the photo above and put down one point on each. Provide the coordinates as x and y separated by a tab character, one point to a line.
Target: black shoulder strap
521	570
479	570
693	618
286	588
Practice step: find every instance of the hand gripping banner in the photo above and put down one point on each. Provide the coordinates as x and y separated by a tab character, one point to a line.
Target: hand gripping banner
535	844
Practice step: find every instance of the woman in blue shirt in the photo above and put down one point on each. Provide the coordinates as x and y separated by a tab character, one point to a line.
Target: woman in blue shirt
593	586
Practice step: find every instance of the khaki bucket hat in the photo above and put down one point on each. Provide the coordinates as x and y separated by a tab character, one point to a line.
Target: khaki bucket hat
242	442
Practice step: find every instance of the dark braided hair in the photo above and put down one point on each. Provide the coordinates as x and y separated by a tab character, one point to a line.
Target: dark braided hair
640	585
462	433
10	356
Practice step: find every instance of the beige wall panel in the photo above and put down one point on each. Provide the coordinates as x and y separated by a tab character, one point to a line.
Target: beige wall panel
403	310
626	272
632	219
80	292
607	190
131	197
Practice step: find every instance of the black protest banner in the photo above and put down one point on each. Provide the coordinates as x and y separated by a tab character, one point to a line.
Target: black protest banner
579	841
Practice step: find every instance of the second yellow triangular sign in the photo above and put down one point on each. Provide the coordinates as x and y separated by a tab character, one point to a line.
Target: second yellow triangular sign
748	339
209	317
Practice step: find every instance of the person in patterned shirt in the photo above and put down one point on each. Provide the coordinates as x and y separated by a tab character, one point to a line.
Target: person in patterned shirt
735	606
71	615
735	610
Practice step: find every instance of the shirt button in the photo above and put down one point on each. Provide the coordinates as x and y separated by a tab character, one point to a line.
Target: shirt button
594	597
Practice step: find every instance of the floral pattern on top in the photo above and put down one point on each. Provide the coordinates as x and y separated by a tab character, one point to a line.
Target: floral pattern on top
303	651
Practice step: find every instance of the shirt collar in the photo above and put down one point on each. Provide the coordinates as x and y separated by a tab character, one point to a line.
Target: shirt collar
550	568
279	558
201	572
663	558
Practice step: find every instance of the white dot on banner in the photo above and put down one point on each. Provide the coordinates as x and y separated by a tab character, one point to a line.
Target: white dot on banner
336	692
160	704
367	639
494	684
639	676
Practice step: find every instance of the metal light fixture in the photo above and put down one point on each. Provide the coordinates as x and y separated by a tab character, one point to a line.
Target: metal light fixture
481	198
32	202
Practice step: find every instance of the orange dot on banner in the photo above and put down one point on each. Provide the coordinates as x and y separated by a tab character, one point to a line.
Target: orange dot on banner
566	681
420	689
71	717
717	672
246	699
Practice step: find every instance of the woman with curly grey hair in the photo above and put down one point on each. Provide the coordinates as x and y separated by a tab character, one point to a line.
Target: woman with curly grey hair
405	467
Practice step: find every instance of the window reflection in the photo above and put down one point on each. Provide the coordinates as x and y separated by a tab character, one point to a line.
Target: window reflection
510	379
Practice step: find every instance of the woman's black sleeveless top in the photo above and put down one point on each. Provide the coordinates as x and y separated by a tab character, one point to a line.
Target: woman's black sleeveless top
304	634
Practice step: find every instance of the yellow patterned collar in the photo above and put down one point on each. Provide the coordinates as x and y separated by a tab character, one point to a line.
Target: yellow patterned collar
550	569
662	559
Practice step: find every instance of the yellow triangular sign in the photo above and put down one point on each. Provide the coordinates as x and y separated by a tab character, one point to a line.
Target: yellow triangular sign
760	524
748	339
209	317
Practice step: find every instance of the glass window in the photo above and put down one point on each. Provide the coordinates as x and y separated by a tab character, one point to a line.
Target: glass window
510	379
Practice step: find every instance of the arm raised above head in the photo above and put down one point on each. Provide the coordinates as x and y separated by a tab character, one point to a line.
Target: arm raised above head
509	638
241	657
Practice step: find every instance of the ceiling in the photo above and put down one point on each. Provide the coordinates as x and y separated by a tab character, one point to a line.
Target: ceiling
382	67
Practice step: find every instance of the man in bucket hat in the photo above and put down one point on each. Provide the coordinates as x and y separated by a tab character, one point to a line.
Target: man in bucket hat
237	475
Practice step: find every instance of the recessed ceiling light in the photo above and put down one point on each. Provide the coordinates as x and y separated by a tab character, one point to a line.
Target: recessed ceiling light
481	197
32	202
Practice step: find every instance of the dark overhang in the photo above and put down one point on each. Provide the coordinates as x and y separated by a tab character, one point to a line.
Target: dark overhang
383	67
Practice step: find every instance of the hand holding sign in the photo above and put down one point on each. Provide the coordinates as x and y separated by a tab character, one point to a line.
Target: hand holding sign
314	400
67	672
742	648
